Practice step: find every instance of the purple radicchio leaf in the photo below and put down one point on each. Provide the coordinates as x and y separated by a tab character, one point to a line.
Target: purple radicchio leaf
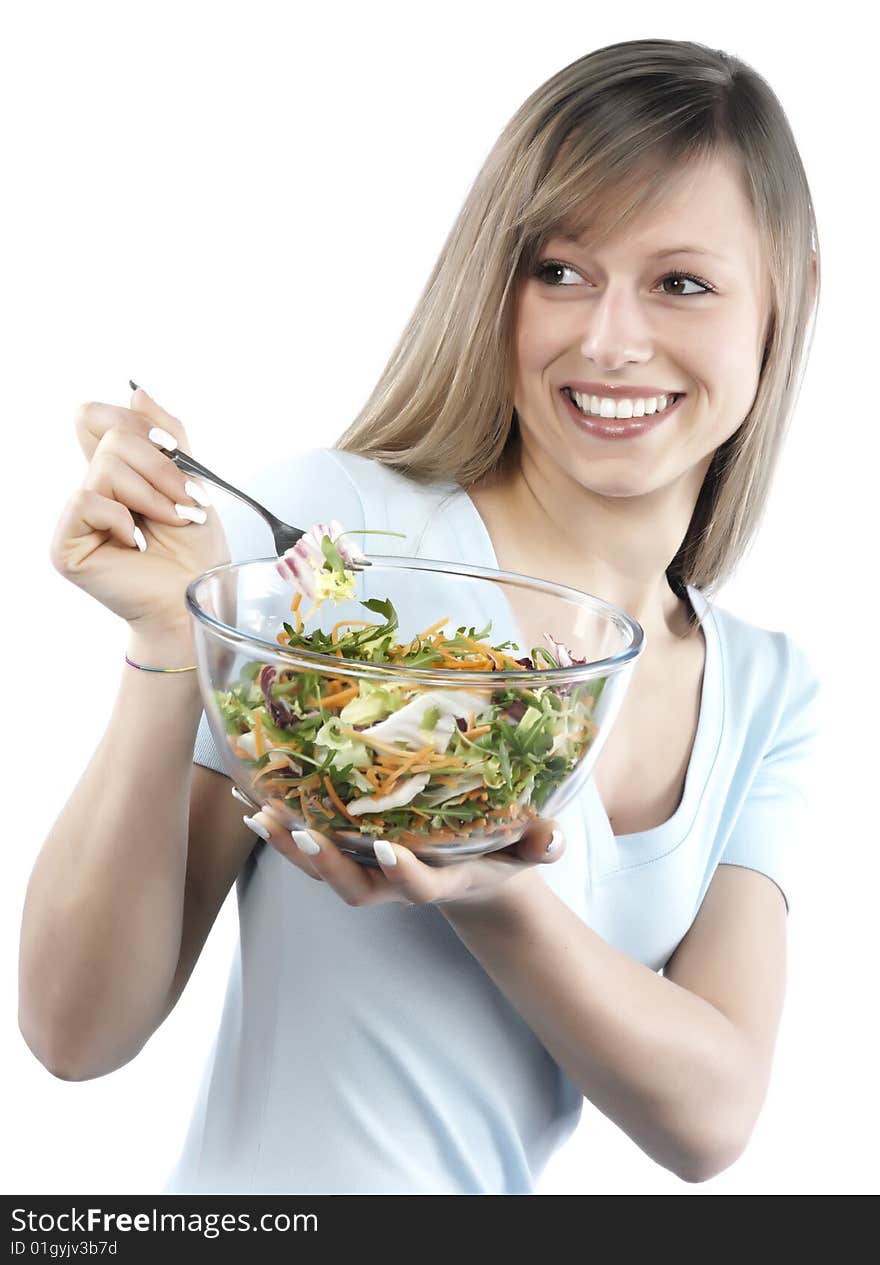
282	714
516	710
565	659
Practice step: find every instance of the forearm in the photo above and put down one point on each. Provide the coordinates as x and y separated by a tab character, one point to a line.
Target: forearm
666	1066
101	925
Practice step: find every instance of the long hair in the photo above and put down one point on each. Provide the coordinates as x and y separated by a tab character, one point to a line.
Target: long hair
594	145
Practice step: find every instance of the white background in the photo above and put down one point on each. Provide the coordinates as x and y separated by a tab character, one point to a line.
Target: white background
238	207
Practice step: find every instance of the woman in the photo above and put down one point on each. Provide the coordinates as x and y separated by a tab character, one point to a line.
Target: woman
643	225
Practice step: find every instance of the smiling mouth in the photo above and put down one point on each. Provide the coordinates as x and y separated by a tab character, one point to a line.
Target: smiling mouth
671	401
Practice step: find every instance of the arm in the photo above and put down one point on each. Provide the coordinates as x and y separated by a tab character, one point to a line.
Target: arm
128	881
680	1062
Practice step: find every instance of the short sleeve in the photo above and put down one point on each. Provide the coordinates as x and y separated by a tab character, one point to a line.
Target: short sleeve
774	817
307	488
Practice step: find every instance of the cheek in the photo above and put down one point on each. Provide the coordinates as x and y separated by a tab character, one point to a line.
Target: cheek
538	341
724	360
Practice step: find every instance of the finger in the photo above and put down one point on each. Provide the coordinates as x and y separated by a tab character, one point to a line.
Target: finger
128	468
357	884
542	843
83	526
417	883
264	824
93	419
144	404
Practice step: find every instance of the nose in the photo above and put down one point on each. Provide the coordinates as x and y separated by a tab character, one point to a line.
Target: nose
616	331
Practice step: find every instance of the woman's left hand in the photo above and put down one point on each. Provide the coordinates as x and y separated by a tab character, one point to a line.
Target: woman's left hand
406	878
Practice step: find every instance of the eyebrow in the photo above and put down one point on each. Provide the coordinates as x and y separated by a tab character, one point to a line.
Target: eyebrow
658	254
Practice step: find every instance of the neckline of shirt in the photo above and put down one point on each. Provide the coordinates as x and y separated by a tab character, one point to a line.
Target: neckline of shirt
707	739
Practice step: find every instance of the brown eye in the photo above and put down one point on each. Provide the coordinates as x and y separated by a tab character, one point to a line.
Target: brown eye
680	278
548	267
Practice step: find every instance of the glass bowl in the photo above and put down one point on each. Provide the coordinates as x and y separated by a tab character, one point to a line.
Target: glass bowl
451	762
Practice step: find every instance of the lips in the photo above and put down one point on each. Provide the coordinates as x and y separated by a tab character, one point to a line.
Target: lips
617	427
618	393
672	398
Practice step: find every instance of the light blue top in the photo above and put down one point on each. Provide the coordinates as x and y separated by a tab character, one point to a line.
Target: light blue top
366	1051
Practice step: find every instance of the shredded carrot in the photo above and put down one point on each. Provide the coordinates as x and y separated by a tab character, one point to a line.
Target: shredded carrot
259	743
336	690
303	798
423	636
404	766
272	767
372	776
318	807
283	639
297	598
354	623
331	791
363	736
484	651
337	700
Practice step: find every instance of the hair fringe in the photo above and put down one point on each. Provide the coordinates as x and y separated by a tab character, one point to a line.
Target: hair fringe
597	137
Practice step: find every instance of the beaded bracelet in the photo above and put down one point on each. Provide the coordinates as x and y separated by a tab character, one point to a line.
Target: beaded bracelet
143	668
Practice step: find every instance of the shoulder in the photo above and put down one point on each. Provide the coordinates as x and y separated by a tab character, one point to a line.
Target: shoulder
320	484
766	672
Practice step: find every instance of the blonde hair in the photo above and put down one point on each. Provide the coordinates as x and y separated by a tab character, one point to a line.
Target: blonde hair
595	144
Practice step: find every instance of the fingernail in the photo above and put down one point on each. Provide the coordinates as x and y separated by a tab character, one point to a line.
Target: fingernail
139	539
133	385
257	827
242	799
197	492
162	438
384	852
305	843
191	513
556	842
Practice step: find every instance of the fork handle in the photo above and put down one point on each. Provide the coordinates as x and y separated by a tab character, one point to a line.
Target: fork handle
189	465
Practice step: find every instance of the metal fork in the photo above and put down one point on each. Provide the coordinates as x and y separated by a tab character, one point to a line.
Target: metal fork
283	534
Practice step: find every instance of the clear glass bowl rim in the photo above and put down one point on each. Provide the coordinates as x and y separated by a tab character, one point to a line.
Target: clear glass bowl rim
332	665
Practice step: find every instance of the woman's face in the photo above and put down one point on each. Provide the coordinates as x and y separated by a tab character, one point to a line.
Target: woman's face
616	316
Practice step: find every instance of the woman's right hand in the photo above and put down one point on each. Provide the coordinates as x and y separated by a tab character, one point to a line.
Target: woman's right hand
131	482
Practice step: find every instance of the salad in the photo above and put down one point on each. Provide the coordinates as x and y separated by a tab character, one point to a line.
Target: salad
397	760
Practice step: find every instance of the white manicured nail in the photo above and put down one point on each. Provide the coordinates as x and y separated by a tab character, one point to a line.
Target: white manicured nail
197	492
162	438
191	513
139	539
242	799
384	852
306	843
556	842
257	827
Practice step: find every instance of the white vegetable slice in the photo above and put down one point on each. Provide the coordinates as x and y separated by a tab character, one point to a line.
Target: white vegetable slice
402	794
442	793
248	743
404	725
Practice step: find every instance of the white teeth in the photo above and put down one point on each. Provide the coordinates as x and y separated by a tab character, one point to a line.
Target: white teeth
597	406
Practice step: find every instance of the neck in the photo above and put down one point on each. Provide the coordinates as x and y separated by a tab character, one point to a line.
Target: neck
616	547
